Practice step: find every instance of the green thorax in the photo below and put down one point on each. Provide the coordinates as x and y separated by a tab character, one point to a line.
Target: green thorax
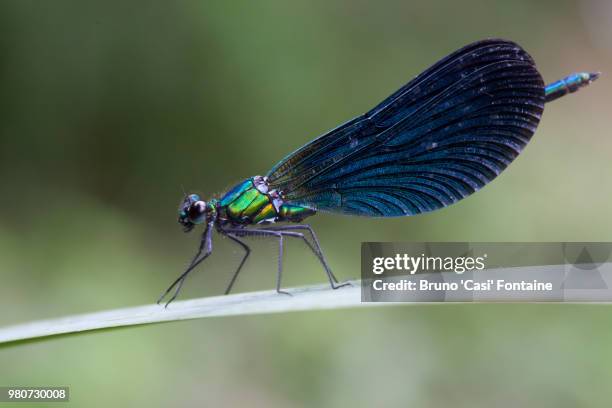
251	202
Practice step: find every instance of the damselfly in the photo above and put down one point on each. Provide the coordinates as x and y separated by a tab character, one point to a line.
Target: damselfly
435	141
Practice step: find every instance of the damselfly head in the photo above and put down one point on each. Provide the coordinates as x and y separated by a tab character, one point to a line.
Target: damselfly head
192	211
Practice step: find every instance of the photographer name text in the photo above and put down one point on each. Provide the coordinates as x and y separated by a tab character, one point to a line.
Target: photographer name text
463	284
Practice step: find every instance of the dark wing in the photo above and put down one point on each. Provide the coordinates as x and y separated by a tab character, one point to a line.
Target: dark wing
438	139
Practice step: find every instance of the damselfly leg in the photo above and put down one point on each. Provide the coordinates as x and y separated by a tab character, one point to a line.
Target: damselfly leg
244	232
244	258
316	249
279	233
204	251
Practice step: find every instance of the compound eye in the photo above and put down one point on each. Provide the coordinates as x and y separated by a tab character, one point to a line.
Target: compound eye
197	212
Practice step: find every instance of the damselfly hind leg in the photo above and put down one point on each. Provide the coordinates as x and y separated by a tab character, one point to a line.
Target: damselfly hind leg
316	249
279	233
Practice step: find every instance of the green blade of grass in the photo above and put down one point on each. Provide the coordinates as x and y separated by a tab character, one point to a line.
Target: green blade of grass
303	298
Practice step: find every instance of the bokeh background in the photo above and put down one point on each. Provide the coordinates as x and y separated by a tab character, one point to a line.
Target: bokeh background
108	108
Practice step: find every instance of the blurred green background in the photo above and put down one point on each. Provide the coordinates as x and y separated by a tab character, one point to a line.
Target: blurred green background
107	108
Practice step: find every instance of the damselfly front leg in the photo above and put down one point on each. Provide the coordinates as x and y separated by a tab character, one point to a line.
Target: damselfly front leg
204	252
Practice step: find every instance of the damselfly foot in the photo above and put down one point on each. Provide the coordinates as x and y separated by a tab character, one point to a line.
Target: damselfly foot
341	285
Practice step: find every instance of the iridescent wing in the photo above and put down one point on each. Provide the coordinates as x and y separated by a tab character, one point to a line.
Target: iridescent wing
438	139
